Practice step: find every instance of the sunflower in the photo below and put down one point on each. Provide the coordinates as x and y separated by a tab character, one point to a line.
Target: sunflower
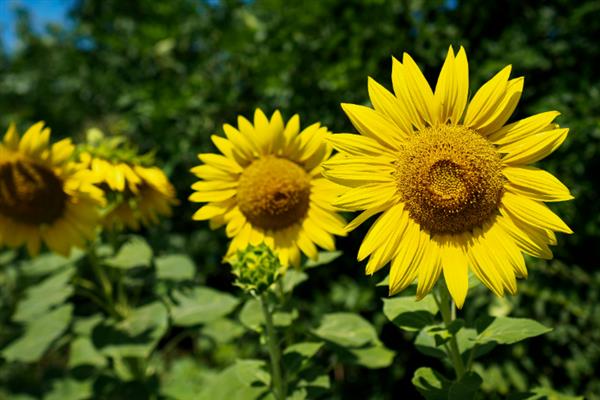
139	195
267	187
43	196
451	180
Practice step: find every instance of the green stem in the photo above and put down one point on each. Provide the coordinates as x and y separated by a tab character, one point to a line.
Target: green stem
446	307
277	382
104	282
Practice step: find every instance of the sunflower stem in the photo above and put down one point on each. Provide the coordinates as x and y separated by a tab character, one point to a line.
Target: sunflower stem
277	383
447	309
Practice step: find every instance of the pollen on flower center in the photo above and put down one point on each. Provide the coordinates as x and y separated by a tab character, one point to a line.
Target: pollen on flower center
273	193
450	179
30	193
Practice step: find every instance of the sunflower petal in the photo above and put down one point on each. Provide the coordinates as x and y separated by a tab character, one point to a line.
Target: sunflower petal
487	99
536	184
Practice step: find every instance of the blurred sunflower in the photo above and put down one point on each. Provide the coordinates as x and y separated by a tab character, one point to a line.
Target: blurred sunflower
44	197
267	187
453	185
138	194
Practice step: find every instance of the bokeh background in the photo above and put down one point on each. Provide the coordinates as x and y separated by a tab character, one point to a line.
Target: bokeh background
168	74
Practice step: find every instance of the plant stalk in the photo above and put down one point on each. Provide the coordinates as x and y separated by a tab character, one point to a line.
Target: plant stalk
448	312
277	383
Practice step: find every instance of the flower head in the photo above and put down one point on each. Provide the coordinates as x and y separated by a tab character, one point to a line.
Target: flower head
138	192
44	197
267	187
451	180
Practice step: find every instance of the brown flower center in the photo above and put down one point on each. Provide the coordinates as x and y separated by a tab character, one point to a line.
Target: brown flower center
450	178
273	193
30	193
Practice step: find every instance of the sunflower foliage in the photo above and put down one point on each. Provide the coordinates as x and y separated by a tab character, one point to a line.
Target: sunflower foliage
109	322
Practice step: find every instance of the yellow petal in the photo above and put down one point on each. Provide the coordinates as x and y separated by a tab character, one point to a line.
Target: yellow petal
387	104
452	88
318	235
505	108
389	242
380	230
362	217
11	138
242	146
522	128
405	264
455	264
536	184
430	268
425	102
356	145
215	195
372	124
487	99
526	237
210	173
533	148
211	210
220	162
307	246
367	196
533	213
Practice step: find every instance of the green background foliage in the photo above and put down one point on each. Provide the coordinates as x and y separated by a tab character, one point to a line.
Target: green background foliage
168	74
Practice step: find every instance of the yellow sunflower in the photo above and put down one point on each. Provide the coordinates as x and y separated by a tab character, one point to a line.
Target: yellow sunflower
43	196
267	187
140	195
451	180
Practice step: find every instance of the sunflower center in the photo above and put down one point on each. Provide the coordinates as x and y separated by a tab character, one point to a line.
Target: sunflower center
450	178
30	193
273	193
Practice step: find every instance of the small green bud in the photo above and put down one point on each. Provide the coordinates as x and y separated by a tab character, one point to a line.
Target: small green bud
256	268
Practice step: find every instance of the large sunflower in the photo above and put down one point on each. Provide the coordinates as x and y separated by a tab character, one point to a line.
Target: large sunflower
267	186
138	194
44	196
452	181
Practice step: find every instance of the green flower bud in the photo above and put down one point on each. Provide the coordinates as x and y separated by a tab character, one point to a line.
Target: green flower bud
256	268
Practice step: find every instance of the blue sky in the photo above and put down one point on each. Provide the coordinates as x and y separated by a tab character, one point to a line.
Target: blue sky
41	11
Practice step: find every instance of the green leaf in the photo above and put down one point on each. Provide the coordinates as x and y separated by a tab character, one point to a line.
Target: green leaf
291	279
39	335
298	355
83	352
175	267
346	330
41	297
466	388
426	343
324	257
506	330
200	305
134	253
543	393
409	314
184	380
431	384
7	257
245	380
372	357
223	330
251	316
70	389
50	262
84	325
136	335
